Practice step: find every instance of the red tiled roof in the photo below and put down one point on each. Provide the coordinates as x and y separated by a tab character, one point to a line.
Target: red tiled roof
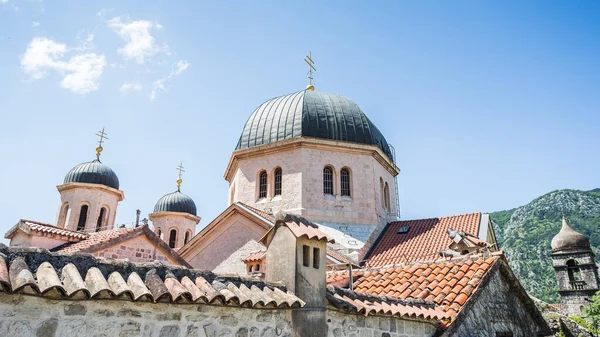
45	228
332	253
299	226
447	283
424	240
262	213
99	240
351	301
258	256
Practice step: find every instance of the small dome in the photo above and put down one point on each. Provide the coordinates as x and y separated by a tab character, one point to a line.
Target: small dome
568	239
176	202
93	172
311	114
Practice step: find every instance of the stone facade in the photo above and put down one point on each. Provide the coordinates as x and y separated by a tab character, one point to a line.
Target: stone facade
73	196
183	223
302	162
343	324
495	308
138	249
28	316
576	289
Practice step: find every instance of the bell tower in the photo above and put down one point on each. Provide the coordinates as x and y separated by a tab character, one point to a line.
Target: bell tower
575	267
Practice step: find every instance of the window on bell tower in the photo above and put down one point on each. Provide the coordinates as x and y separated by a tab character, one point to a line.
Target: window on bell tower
277	181
345	181
172	238
82	218
100	222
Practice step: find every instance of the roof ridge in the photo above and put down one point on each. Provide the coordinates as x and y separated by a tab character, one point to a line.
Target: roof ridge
496	255
439	217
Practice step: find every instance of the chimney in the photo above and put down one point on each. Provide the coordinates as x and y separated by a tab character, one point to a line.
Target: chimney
296	256
137	218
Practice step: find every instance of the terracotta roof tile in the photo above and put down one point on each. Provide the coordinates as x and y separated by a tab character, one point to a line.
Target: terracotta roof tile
450	288
84	277
424	240
299	226
365	304
257	256
262	213
44	228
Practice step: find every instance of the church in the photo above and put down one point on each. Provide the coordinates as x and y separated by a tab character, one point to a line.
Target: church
311	244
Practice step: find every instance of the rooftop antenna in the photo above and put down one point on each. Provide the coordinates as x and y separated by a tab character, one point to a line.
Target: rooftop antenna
102	136
311	68
181	170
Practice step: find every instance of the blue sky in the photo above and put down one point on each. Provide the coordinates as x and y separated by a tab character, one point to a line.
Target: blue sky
488	104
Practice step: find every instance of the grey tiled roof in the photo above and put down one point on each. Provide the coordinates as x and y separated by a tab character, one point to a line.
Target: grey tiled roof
84	277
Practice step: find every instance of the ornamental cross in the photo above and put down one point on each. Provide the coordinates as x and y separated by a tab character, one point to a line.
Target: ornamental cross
311	68
180	169
102	136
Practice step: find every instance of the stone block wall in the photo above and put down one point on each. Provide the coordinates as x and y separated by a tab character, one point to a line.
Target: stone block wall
342	325
138	249
26	316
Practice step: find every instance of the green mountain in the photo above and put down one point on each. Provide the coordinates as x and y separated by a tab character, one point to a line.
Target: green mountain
524	233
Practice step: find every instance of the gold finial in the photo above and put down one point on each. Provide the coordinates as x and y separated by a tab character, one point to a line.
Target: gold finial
311	68
181	170
102	136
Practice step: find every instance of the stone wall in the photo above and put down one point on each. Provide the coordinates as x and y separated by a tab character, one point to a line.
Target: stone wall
495	308
138	249
26	316
342	324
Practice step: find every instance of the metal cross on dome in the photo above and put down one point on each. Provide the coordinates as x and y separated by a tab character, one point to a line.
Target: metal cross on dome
181	170
102	136
311	68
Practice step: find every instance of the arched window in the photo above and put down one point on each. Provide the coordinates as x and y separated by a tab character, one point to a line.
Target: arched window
345	182
159	233
386	196
100	221
328	180
277	181
187	237
262	185
172	238
62	218
257	267
82	218
573	270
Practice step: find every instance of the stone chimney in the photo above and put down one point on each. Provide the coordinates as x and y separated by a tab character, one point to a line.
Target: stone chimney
296	256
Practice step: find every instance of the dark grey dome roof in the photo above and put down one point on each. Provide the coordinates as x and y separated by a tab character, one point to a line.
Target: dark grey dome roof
176	202
568	239
311	114
93	172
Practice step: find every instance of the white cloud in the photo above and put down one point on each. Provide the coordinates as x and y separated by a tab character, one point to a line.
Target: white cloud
3	1
35	24
130	86
140	44
159	84
81	73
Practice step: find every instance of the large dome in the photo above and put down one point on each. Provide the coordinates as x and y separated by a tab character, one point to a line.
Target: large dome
93	172
176	202
311	114
569	240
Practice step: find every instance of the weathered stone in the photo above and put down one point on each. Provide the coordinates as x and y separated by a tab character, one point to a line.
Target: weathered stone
384	323
337	332
169	316
47	328
392	325
385	334
129	328
104	313
268	332
129	313
360	321
265	316
74	327
16	329
192	331
210	330
75	310
254	332
229	320
242	332
169	331
196	318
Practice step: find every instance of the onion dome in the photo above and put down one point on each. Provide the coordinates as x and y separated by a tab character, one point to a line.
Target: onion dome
311	114
175	202
93	172
569	240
